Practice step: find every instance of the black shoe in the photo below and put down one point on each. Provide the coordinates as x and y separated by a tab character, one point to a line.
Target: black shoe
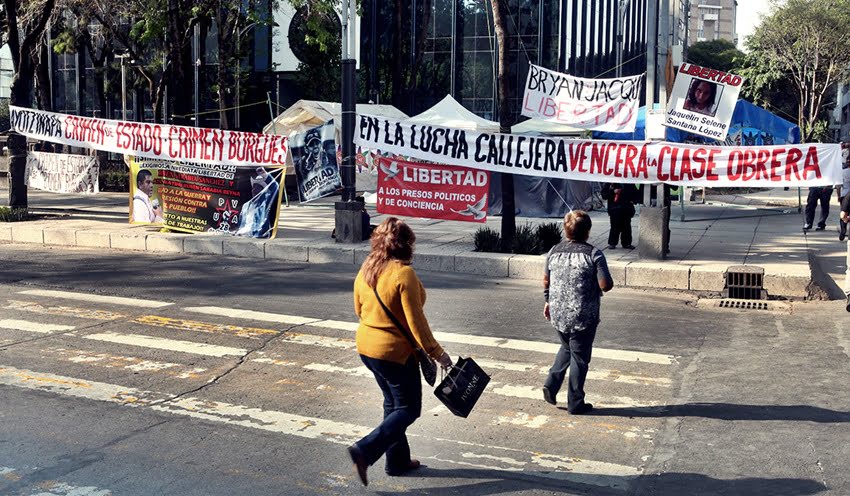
820	228
411	465
841	236
548	396
360	465
582	409
848	303
806	227
629	247
612	247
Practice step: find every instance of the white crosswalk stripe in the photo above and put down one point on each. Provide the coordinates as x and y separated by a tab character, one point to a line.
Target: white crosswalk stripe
25	325
469	454
52	487
95	298
322	349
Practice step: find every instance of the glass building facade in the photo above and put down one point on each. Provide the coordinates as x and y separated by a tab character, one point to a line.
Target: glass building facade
456	45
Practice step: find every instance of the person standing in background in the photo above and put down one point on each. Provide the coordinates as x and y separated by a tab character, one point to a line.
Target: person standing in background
817	194
621	209
144	209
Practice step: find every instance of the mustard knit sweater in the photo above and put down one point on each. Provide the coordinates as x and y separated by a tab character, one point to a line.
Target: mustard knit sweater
402	292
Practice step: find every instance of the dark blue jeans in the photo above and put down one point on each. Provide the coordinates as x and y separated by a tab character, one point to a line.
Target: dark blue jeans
402	390
574	354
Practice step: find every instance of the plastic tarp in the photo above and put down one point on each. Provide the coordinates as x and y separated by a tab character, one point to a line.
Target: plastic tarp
751	125
306	114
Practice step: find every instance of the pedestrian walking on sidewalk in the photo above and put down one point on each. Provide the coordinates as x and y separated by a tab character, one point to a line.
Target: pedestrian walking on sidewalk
843	190
621	209
575	276
845	216
387	279
817	194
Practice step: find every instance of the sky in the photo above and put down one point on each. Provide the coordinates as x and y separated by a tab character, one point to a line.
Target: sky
748	17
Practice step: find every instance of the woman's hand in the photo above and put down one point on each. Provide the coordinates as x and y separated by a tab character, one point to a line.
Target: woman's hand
546	311
445	361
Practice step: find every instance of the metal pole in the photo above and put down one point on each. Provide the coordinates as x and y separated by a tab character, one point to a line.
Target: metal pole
123	89
237	111
197	56
651	46
274	131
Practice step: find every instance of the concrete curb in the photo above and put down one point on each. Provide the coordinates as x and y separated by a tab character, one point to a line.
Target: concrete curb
780	280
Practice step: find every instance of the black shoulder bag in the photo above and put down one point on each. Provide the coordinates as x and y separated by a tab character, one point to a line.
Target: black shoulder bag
426	363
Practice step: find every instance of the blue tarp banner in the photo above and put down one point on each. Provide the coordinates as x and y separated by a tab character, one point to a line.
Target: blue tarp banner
751	126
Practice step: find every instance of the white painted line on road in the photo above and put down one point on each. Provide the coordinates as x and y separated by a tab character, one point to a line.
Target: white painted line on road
593	374
96	298
135	364
447	337
209	327
251	315
323	341
167	344
354	371
25	325
33	307
532	464
53	488
536	393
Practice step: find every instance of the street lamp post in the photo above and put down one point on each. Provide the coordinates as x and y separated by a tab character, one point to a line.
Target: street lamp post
123	85
621	20
237	121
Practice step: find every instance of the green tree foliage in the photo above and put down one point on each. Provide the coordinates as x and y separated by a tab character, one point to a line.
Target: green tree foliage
798	54
717	54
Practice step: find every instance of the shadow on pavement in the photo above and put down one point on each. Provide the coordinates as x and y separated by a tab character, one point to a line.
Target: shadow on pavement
729	411
499	482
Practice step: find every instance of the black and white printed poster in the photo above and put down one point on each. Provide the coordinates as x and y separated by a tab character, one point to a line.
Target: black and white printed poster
314	159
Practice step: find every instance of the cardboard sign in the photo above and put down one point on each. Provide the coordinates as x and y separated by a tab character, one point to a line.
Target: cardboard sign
595	104
703	100
416	189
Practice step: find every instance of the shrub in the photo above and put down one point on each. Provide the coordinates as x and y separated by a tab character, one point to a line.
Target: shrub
114	180
549	235
487	240
526	241
14	214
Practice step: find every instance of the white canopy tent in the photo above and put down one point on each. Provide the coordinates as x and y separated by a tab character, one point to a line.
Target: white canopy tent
306	114
449	113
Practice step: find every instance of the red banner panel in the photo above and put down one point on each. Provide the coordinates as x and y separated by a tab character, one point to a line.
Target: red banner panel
415	189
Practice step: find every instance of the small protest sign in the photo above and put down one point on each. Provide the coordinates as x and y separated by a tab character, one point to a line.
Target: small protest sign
703	100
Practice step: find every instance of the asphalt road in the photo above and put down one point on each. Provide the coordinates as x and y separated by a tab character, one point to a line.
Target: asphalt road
132	374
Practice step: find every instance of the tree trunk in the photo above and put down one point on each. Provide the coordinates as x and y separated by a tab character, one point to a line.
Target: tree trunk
42	75
21	90
396	60
500	9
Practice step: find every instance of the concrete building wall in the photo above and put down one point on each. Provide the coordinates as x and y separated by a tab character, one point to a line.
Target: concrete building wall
712	20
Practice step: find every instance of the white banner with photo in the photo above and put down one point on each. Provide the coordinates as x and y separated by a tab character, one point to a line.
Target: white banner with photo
595	104
314	158
62	173
703	100
811	164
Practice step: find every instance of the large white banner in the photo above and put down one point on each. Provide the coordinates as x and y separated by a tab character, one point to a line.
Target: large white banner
142	139
61	173
703	100
815	164
595	104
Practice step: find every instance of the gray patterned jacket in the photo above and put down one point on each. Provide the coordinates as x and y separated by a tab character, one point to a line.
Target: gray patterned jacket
575	270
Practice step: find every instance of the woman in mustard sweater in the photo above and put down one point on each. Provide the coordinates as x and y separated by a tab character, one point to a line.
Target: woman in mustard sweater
385	350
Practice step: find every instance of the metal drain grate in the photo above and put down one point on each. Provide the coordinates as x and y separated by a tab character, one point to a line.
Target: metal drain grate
745	282
744	304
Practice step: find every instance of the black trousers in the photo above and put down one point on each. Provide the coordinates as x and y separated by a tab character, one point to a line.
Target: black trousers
621	228
822	195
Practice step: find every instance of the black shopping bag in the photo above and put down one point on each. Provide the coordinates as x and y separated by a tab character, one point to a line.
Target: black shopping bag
462	387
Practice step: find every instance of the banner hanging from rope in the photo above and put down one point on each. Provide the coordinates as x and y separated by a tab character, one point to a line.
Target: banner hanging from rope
815	164
157	141
596	104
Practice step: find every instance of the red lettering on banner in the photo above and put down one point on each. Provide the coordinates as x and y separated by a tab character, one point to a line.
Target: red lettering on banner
629	161
794	156
812	163
710	174
597	159
171	142
662	176
775	164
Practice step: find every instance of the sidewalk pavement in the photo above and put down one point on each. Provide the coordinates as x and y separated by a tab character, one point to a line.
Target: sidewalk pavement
762	229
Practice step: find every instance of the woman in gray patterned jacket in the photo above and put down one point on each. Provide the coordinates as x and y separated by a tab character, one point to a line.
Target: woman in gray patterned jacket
576	275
